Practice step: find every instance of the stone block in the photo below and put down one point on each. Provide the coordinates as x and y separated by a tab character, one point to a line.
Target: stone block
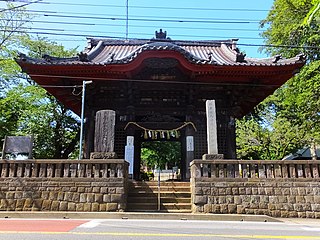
309	191
237	200
315	207
317	199
294	192
214	191
248	191
90	197
20	203
291	199
302	215
68	196
293	214
300	199
207	208
116	198
87	207
309	199
11	204
10	195
102	207
71	206
112	190
222	200
63	206
60	196
286	191
95	207
106	198
301	191
206	190
275	213
37	203
111	207
242	191
55	206
103	190
53	195
310	214
98	198
83	197
224	208
254	191
28	203
221	191
241	209
235	191
200	200
46	205
81	189
73	189
282	199
277	192
232	208
96	189
298	207
229	199
269	191
215	208
228	191
120	190
18	194
76	197
79	207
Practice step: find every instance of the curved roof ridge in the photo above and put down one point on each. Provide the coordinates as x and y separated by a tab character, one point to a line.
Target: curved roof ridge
93	52
158	46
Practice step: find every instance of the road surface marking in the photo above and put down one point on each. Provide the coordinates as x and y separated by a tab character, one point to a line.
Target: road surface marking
91	224
167	235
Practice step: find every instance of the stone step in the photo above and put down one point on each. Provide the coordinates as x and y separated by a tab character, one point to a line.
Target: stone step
153	199
174	196
163	206
171	194
162	188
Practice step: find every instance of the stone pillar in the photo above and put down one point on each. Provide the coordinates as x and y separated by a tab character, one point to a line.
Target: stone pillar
104	135
212	138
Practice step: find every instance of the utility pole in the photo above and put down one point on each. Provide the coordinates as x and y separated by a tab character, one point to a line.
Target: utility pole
84	83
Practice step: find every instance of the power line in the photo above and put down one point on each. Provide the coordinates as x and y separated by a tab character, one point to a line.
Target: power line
121	33
20	6
134	25
155	7
144	16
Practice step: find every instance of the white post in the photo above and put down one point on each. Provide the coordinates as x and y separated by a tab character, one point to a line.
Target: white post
212	127
129	153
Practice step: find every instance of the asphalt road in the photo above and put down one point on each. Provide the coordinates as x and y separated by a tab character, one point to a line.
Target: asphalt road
50	229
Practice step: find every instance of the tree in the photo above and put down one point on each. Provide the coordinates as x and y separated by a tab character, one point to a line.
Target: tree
289	119
13	24
160	154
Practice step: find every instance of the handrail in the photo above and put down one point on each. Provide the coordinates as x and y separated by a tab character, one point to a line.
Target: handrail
260	169
58	168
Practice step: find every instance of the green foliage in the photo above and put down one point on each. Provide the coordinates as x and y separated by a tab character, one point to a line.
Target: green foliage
290	118
28	110
160	153
285	26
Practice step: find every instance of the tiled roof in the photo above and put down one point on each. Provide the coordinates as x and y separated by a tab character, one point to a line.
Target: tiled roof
107	52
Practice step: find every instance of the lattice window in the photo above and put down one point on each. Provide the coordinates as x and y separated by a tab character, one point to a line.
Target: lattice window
120	142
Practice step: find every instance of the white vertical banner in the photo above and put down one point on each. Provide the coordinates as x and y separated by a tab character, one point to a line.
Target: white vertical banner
211	127
129	153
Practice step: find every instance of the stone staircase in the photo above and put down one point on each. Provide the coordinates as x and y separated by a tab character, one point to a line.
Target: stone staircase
175	197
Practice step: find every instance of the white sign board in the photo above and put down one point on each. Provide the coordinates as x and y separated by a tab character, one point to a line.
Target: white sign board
190	145
129	153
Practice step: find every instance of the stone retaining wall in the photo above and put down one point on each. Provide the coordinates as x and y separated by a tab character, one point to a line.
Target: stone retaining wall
274	188
72	186
276	198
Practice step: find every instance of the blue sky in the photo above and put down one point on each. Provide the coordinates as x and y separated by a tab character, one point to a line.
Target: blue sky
69	21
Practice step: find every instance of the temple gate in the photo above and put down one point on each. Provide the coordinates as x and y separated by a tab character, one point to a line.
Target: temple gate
158	89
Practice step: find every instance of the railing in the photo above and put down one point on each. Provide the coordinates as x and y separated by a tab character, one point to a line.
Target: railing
51	168
254	169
